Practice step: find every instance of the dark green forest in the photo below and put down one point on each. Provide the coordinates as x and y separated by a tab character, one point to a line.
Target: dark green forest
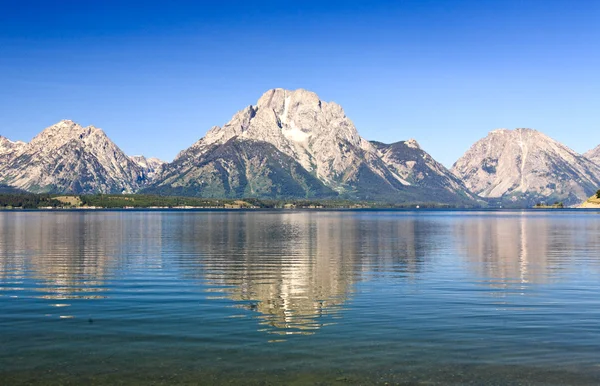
28	201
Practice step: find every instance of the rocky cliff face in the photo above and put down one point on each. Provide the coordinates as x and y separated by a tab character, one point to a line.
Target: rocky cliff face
524	165
69	158
8	149
320	138
150	166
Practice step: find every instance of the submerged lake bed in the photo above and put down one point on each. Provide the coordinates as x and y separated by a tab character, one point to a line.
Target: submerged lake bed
300	297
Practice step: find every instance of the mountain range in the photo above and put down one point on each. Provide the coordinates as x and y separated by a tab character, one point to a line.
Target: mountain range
291	144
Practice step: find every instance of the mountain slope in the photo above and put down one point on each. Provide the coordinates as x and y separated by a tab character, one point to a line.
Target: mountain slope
593	155
524	165
319	137
240	168
417	167
69	158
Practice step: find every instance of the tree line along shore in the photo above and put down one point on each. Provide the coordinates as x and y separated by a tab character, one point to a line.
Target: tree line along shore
142	201
24	200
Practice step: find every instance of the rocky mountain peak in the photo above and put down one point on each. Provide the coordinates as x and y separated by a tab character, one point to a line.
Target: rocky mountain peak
67	157
65	131
296	126
519	130
296	115
297	123
525	162
412	143
275	99
301	116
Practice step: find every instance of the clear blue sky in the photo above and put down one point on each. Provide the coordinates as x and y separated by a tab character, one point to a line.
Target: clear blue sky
157	75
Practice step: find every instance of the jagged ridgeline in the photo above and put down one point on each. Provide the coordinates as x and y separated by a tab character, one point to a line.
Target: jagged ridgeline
292	144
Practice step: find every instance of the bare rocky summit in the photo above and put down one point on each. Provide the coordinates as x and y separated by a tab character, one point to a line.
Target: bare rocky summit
524	165
69	158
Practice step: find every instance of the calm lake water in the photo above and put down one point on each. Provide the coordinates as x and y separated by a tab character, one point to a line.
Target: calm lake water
284	297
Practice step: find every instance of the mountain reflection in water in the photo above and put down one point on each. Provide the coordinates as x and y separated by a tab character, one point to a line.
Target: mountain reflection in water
295	269
511	248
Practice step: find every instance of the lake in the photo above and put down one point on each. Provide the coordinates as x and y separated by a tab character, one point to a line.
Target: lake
300	297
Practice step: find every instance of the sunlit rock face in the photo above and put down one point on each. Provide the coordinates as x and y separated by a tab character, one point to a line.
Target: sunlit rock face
524	164
321	139
69	158
150	166
8	149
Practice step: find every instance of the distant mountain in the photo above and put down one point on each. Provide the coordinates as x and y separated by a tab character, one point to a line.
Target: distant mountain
150	166
593	155
318	139
526	166
69	158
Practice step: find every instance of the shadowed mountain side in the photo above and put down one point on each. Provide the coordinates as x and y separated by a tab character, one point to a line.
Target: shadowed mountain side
424	174
240	168
6	189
